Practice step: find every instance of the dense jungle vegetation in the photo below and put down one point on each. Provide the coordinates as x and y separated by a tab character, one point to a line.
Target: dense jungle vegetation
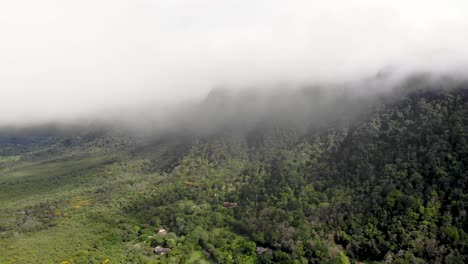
387	185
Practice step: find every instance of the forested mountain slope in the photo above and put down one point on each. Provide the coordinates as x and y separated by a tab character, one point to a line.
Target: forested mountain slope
378	182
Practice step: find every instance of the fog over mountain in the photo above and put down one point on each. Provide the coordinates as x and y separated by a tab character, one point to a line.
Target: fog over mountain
113	60
234	131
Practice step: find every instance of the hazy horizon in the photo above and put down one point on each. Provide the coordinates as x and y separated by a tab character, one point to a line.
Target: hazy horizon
75	60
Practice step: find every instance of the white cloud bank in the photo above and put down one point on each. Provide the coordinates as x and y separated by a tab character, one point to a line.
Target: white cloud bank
64	59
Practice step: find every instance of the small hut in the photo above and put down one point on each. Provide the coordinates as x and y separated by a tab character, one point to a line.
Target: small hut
229	205
161	250
162	232
262	250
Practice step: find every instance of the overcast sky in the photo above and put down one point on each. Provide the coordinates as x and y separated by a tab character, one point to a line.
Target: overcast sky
63	58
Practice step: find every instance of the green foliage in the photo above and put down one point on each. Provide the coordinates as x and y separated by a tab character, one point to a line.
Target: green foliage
388	187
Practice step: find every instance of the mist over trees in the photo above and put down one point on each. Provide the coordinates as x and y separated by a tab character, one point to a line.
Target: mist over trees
307	175
242	131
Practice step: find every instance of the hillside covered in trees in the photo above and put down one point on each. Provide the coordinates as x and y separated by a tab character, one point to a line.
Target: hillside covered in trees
312	178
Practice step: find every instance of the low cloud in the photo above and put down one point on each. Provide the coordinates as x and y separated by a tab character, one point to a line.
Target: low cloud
65	60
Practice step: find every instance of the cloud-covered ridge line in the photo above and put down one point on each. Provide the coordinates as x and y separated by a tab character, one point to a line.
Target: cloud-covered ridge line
62	59
224	110
298	107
